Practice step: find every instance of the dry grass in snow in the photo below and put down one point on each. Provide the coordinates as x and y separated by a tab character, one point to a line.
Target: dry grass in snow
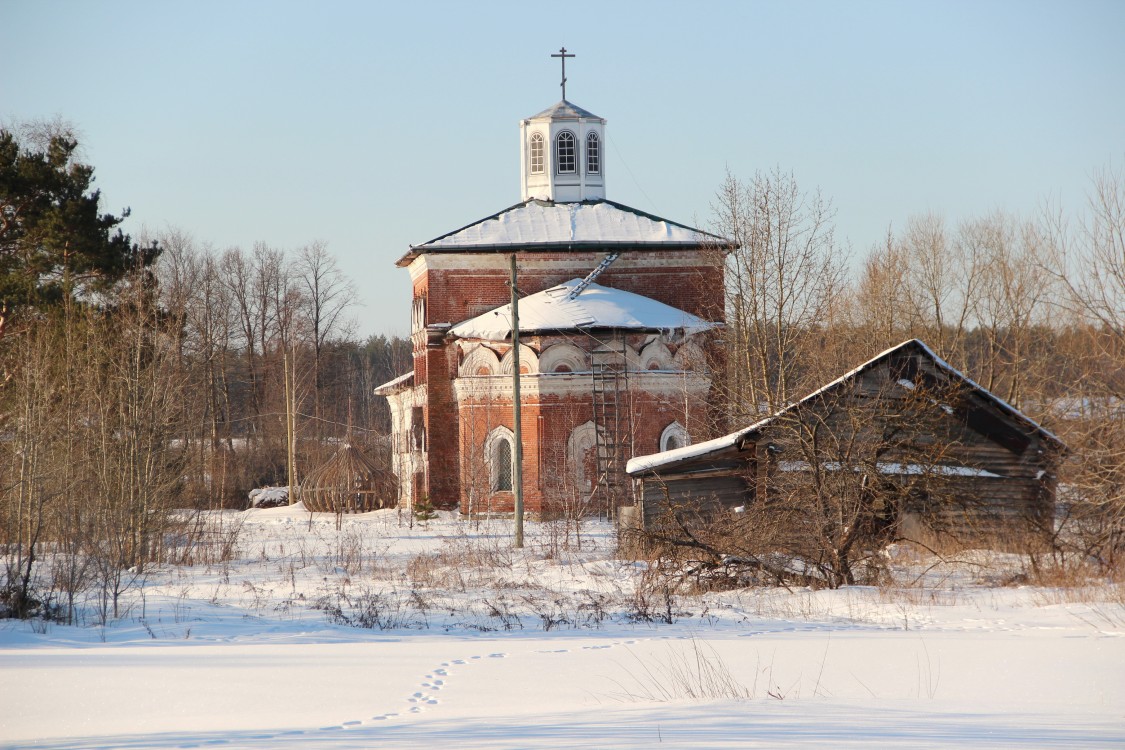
280	628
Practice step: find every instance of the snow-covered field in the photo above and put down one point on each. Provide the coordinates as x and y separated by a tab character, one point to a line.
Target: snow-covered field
388	634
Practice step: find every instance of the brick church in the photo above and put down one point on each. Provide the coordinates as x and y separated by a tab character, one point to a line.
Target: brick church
615	309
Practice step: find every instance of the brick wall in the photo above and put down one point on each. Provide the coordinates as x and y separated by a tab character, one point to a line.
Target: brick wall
462	286
442	475
687	280
548	422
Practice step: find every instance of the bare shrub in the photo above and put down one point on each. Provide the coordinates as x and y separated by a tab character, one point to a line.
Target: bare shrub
594	609
550	611
352	553
464	562
29	602
428	571
203	538
1071	573
501	610
369	609
653	599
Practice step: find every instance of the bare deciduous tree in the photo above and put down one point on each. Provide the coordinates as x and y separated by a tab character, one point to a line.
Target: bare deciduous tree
783	284
1089	262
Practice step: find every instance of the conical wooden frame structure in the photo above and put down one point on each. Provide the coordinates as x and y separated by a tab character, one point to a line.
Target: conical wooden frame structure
349	482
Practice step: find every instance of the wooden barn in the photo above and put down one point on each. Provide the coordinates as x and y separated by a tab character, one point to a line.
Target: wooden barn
921	446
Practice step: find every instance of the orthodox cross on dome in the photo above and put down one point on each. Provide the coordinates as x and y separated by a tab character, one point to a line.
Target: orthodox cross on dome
563	54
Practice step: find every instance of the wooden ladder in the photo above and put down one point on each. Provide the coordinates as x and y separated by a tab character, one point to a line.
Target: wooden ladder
612	422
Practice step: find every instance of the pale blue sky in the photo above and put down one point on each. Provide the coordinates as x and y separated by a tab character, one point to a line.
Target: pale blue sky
373	126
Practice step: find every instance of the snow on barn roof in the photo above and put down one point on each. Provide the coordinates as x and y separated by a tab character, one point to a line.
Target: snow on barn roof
586	225
595	307
640	464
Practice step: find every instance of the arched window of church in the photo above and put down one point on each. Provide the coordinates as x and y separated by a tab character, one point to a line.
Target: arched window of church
593	154
674	436
564	153
498	451
502	465
582	457
537	154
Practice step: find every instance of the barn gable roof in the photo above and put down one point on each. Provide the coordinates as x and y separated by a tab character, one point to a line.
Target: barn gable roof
537	225
735	440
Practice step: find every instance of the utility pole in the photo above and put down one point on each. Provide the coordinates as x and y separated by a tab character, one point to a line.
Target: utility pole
290	425
517	449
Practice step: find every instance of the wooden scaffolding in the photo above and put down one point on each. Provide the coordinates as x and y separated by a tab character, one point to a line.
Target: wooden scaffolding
613	422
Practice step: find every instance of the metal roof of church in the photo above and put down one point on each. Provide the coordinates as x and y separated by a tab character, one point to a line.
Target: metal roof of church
595	306
564	110
587	225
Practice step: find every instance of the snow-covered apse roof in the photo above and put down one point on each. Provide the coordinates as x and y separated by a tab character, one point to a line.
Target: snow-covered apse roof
546	225
596	307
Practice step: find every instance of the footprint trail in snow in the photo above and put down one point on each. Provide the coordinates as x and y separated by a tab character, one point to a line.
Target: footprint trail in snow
436	680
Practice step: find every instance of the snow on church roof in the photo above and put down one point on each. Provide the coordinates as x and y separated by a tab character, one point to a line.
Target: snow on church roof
596	307
546	225
565	110
393	385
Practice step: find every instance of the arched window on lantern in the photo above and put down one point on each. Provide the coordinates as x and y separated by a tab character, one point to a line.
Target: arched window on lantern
565	157
593	154
537	153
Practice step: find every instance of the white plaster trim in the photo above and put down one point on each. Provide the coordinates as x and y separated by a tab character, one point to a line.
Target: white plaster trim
563	353
479	357
528	359
569	384
690	356
656	353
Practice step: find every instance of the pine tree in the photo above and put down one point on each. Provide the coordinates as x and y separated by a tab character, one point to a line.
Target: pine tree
54	240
